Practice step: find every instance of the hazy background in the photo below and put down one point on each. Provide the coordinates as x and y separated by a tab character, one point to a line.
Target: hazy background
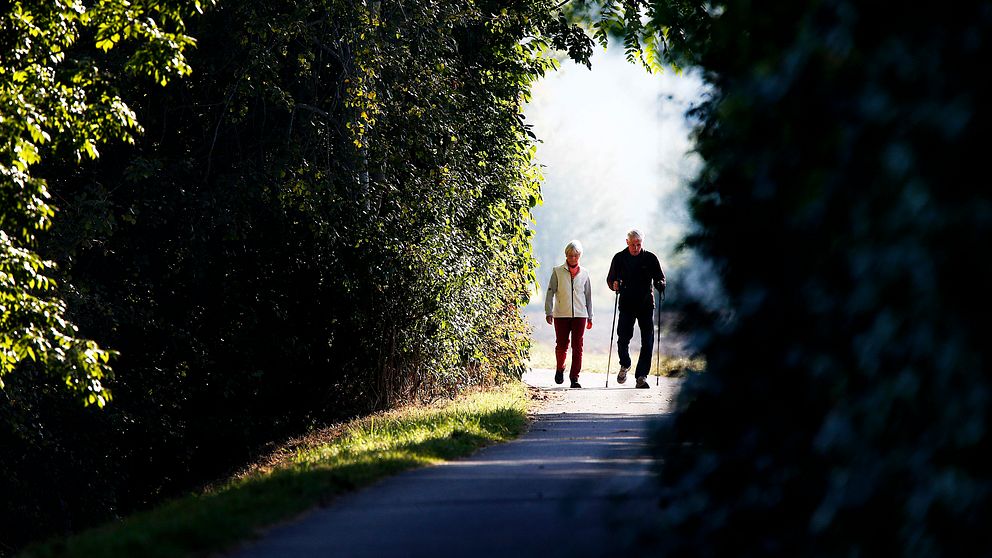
616	155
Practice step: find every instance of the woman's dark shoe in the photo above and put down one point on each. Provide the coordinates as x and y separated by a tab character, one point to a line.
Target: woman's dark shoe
575	384
559	376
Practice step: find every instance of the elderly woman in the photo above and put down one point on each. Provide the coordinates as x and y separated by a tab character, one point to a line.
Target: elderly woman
568	306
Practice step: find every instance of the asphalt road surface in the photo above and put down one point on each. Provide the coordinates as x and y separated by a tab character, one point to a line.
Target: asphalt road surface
577	484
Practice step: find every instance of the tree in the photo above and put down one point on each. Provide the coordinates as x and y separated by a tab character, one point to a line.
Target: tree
328	217
54	96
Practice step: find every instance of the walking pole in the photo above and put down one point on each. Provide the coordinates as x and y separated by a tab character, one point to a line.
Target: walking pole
657	379
613	328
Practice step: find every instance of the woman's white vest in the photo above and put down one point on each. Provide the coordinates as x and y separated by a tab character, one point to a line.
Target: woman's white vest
572	297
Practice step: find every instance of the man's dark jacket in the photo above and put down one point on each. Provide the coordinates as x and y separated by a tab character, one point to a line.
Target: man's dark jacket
636	274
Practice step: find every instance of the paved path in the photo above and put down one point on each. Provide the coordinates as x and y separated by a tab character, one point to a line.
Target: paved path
573	485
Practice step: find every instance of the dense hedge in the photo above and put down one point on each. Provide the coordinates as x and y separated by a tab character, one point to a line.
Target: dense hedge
328	217
845	409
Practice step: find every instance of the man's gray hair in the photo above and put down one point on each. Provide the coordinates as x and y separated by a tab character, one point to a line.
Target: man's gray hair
634	233
573	246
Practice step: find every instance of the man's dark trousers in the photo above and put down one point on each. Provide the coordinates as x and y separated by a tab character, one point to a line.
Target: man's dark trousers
625	330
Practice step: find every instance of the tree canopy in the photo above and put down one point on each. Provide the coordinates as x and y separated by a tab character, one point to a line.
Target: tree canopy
329	215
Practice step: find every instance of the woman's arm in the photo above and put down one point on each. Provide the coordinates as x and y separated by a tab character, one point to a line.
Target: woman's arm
589	297
589	303
549	298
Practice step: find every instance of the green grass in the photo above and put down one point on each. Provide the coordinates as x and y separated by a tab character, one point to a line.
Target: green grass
542	355
300	477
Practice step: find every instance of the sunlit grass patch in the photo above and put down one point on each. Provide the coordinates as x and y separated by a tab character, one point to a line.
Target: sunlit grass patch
357	454
674	367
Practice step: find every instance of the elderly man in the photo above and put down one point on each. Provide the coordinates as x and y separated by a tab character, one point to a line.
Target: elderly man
632	273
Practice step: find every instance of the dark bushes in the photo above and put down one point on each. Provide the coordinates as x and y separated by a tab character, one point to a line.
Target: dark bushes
328	218
845	407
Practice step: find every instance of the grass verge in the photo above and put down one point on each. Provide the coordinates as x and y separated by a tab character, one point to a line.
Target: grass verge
358	454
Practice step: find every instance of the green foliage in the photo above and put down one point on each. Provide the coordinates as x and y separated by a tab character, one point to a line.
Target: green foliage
654	34
328	217
844	410
54	97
